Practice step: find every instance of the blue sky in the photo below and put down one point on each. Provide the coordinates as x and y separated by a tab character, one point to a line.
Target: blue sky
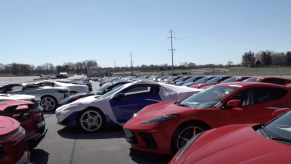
206	31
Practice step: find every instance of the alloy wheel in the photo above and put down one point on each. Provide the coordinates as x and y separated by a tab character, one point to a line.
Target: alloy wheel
187	134
48	104
91	120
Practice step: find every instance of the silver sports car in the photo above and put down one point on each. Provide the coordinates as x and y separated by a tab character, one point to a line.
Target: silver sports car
50	96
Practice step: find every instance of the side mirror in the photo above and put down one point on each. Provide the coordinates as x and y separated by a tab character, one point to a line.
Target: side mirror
233	103
119	96
279	111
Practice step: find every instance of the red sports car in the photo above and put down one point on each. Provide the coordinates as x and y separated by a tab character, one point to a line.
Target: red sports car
212	82
29	114
243	143
13	148
269	79
167	126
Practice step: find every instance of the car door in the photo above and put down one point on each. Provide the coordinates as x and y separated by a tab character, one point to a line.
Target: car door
257	105
135	98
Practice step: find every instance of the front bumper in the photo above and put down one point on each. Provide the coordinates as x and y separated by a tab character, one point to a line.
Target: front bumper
149	140
68	119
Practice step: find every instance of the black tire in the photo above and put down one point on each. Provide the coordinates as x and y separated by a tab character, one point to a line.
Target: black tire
48	103
91	125
185	132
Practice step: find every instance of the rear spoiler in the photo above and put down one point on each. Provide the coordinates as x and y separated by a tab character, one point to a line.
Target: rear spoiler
14	107
11	108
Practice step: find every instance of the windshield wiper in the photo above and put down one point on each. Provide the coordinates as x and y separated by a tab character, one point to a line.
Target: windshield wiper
281	139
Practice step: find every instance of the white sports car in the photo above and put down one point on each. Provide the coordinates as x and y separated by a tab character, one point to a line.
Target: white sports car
16	97
119	105
50	96
74	88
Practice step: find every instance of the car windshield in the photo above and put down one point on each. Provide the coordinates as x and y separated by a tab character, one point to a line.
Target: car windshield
232	79
202	80
102	88
214	80
180	79
280	127
114	90
190	79
208	98
252	80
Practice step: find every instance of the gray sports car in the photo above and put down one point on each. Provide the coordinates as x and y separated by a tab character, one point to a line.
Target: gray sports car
50	96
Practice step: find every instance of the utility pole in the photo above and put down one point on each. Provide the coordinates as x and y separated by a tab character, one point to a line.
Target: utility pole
131	61
172	50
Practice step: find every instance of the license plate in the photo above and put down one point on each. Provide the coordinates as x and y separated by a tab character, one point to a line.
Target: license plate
41	124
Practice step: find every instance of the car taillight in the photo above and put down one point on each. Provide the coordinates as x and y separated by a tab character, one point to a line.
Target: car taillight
63	91
38	117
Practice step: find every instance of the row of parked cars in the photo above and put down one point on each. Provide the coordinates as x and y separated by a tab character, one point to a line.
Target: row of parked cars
199	125
222	120
21	114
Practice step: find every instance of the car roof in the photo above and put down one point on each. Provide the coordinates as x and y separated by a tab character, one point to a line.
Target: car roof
266	77
260	84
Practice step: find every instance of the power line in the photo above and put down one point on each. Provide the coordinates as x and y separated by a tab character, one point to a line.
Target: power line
172	50
131	62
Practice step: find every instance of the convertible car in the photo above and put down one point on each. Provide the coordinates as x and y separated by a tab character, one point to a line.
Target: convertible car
119	105
167	126
243	143
13	148
50	96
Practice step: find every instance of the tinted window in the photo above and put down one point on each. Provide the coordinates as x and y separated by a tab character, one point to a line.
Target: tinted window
214	80
138	90
229	80
252	80
280	127
274	81
209	97
259	95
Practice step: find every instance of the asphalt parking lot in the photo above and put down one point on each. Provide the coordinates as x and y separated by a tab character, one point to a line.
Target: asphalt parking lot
71	146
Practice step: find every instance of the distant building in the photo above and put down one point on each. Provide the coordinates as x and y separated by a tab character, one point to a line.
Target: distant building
97	71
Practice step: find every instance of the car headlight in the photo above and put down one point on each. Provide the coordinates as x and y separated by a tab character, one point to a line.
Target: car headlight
188	144
161	119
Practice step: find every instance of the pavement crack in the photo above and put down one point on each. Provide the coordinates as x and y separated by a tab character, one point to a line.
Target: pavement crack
72	154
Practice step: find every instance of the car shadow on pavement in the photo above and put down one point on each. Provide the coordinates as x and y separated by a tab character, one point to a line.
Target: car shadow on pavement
38	156
142	157
106	133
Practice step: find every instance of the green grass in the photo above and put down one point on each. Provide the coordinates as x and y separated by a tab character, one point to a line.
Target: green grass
7	75
258	69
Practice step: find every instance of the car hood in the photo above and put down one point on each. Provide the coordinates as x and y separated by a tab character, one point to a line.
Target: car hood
236	144
159	109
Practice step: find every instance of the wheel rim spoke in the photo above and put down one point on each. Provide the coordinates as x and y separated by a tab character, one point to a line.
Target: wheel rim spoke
91	121
186	135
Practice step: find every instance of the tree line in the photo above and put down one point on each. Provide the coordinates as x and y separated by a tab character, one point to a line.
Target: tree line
45	69
266	59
